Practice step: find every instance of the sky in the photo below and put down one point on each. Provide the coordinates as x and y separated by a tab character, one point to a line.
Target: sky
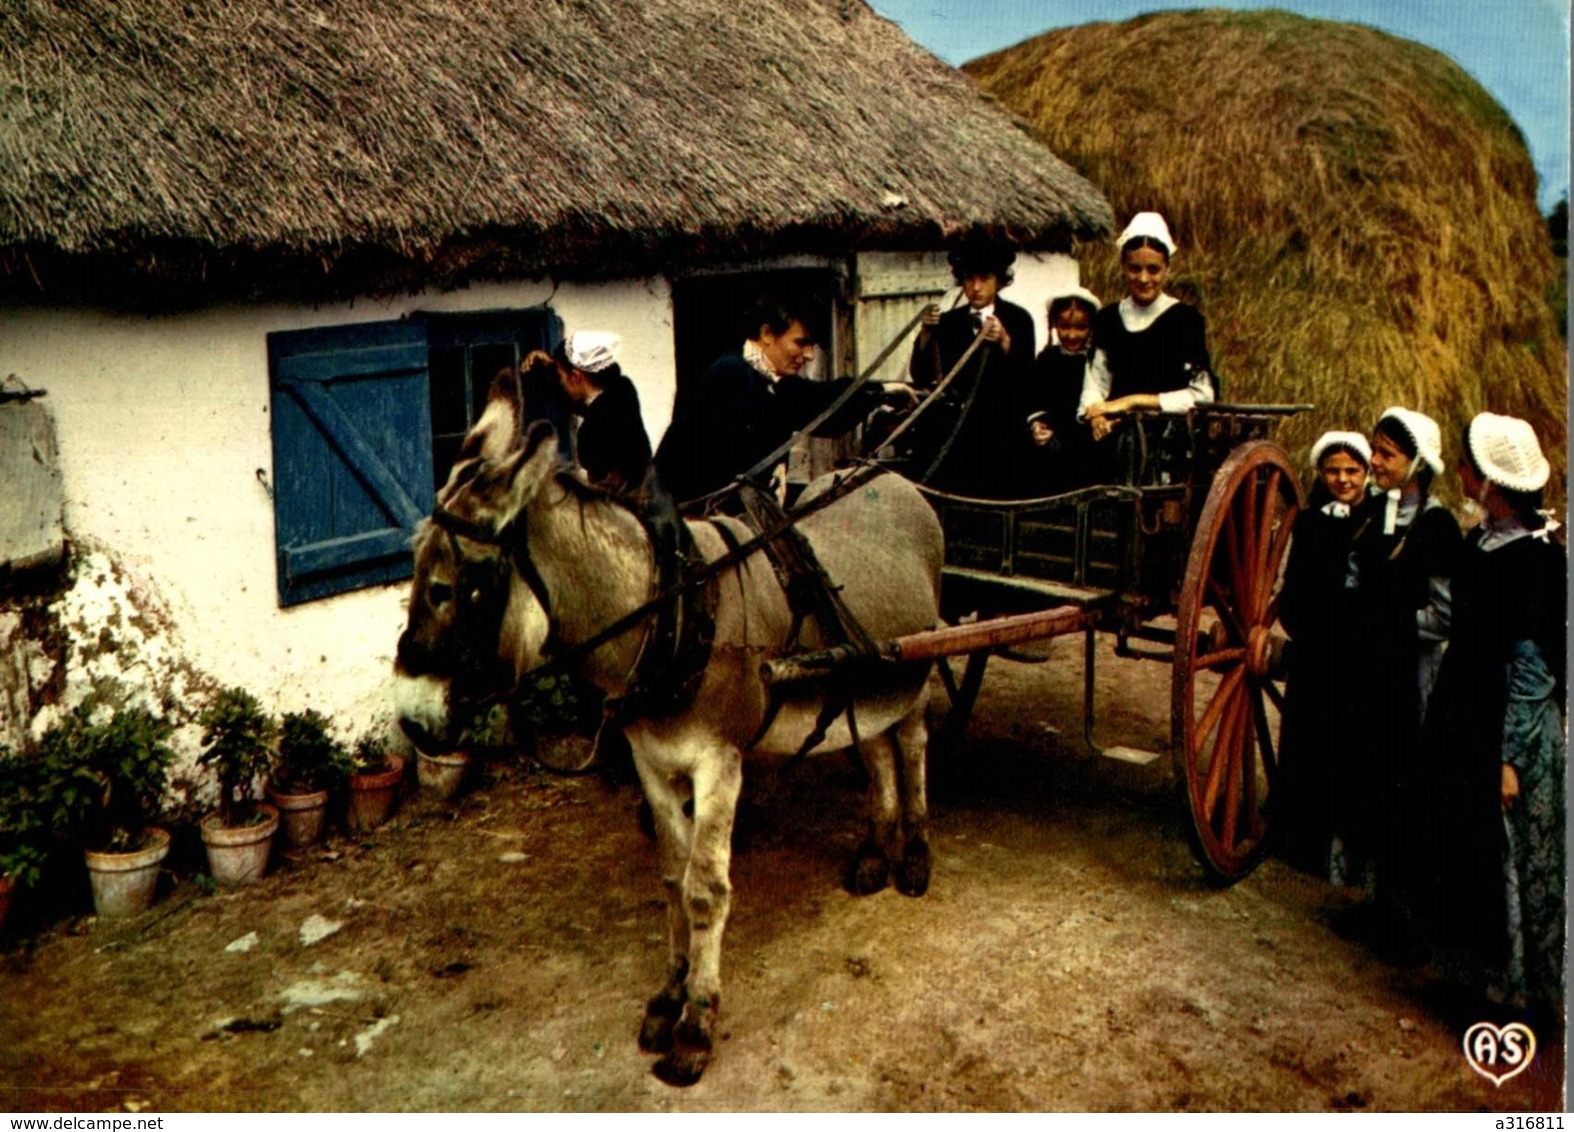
1517	49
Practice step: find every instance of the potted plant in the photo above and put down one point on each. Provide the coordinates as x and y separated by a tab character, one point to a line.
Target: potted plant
311	762
22	827
237	742
374	784
104	783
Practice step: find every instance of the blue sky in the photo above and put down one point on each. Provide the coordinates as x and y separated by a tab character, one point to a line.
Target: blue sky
1517	49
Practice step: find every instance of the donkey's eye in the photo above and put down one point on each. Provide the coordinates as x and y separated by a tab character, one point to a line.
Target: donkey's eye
439	592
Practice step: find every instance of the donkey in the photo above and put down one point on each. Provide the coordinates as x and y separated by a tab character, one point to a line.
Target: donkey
530	561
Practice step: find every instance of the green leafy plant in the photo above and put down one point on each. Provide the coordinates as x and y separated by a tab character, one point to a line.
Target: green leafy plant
560	704
103	783
24	826
370	755
237	742
310	758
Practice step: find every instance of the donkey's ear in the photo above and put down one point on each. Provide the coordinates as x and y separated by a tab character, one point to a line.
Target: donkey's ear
524	472
496	432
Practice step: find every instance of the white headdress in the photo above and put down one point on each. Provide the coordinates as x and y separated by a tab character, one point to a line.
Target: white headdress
1424	433
1337	439
1508	453
1080	293
1151	225
592	350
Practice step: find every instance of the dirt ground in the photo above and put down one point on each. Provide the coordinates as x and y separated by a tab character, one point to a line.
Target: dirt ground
495	954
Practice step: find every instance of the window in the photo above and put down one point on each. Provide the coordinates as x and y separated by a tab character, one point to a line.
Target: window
366	421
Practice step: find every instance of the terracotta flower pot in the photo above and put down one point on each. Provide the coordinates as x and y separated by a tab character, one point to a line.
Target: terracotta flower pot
239	856
123	883
441	775
372	796
301	816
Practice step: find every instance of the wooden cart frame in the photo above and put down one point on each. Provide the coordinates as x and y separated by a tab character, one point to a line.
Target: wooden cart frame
1181	561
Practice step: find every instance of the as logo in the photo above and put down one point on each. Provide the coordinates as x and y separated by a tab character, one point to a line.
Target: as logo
1499	1052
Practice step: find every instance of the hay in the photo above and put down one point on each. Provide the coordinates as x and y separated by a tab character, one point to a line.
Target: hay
268	145
1357	216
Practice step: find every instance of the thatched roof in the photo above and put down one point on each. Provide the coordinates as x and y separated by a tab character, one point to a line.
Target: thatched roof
1357	216
302	146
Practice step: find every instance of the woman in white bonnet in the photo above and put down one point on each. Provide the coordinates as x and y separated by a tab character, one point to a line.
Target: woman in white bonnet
1495	819
1402	561
1319	774
1150	349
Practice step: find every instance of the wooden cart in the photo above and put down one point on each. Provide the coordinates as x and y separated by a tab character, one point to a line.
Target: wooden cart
1181	561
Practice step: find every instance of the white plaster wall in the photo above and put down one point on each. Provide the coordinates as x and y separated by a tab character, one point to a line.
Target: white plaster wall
163	425
1039	278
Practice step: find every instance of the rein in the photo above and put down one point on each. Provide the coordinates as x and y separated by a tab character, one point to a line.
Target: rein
691	579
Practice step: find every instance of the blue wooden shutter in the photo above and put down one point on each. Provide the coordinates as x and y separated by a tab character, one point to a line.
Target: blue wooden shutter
352	455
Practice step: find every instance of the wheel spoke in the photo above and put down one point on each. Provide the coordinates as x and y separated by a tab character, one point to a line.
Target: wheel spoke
1221	756
1247	526
1270	757
1226	612
1231	756
1261	584
1219	658
1272	691
1231	543
1271	614
1271	550
1249	771
1210	715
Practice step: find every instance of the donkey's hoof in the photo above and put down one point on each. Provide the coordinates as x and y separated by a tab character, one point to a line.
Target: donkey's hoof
912	875
661	1016
655	1033
682	1067
691	1047
868	875
869	872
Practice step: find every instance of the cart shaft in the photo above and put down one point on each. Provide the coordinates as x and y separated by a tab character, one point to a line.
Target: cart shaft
952	640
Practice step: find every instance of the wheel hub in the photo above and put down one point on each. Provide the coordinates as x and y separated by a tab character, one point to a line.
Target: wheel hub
1259	652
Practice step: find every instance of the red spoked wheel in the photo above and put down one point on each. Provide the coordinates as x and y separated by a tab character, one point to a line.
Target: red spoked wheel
1225	704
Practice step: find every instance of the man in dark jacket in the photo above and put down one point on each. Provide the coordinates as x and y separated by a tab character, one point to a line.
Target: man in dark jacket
611	443
747	404
976	416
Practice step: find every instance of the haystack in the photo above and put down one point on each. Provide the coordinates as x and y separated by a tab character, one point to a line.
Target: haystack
1357	216
288	147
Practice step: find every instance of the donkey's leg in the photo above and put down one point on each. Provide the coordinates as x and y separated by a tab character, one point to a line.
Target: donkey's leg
674	838
707	897
871	867
912	739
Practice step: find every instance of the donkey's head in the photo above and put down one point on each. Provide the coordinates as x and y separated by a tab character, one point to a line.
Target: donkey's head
478	612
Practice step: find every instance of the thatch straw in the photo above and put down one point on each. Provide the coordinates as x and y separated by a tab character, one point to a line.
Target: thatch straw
1357	217
268	145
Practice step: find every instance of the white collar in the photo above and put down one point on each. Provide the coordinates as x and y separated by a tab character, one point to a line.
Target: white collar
1499	532
982	312
1400	510
1137	319
1334	509
755	356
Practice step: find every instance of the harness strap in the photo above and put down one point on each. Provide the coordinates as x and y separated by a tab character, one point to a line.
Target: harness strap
810	593
517	548
961	418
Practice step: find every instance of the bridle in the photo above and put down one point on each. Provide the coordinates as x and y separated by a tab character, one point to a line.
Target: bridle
516	549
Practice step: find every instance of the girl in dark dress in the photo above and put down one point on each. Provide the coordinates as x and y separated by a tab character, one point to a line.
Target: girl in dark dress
1404	550
1151	349
1055	456
1318	775
1495	860
610	444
